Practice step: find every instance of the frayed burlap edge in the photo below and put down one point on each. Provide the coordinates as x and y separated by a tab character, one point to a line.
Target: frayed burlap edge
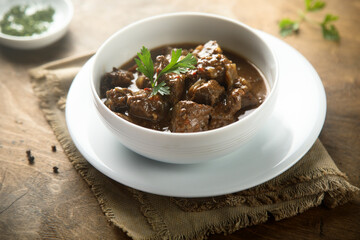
337	188
258	216
334	180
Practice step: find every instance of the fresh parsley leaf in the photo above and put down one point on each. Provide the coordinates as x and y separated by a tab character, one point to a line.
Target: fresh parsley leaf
329	31
288	27
329	18
146	66
161	88
181	66
312	6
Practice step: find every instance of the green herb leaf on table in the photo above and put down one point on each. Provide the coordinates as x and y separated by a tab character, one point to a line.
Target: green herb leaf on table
312	6
329	30
330	18
288	27
146	66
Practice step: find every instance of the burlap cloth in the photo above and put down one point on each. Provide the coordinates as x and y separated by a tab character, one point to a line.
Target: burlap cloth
314	180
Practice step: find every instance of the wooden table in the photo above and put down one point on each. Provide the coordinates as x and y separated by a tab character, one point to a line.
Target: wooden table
36	203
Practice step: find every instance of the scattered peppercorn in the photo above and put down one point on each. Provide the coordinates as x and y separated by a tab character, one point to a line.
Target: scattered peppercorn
55	169
53	148
31	159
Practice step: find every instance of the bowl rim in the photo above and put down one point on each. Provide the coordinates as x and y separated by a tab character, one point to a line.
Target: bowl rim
45	34
228	127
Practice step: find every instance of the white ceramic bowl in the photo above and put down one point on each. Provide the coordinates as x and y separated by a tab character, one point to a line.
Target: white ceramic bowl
186	27
63	14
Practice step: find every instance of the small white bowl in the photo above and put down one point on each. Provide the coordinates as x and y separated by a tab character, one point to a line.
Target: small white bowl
185	148
63	14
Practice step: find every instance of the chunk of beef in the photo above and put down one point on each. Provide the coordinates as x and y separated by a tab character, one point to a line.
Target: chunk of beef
176	83
231	74
206	92
248	98
143	105
116	78
188	116
117	99
191	77
224	112
209	48
242	83
160	63
220	120
232	103
211	63
212	67
141	122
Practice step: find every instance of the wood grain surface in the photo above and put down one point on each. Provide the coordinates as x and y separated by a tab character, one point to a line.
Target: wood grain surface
36	203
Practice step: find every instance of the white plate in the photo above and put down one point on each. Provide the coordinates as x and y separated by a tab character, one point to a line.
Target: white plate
289	133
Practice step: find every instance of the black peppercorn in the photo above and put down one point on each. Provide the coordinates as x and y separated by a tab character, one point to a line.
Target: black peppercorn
53	148
31	159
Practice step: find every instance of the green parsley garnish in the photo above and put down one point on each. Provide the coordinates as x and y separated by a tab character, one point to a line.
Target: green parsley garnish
146	66
288	26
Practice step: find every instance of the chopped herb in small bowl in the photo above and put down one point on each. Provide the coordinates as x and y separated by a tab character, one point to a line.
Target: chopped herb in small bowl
26	20
33	24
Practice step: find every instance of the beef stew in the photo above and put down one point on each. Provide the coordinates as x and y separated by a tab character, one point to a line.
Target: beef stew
222	88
